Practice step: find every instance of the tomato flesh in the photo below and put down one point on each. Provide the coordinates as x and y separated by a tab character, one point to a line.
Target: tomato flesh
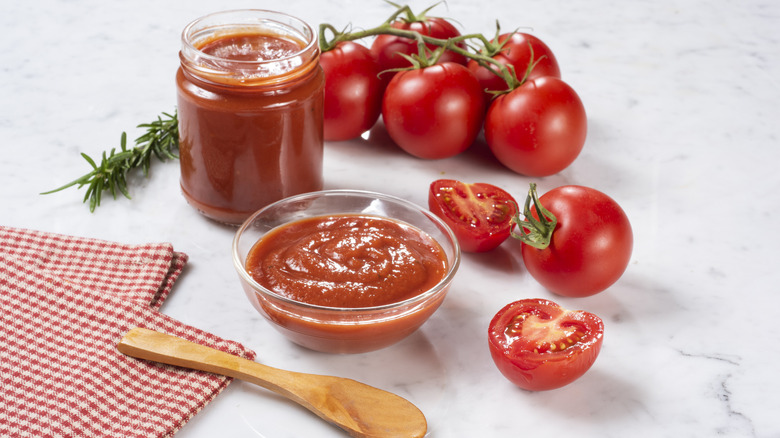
541	333
479	214
538	345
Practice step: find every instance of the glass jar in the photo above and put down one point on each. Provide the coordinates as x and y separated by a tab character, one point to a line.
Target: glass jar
250	102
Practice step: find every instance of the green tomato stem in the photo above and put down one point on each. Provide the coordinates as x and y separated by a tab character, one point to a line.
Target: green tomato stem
451	44
530	230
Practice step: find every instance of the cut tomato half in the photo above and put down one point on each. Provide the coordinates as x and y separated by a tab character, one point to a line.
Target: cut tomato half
538	345
479	214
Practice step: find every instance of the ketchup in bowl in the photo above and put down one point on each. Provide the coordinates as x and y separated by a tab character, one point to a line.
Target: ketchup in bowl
345	271
347	261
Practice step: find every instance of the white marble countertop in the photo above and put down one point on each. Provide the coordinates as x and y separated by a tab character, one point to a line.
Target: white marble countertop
682	99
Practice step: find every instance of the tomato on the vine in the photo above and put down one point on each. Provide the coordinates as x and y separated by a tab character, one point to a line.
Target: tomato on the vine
353	91
479	214
517	50
433	112
587	245
386	48
537	129
539	346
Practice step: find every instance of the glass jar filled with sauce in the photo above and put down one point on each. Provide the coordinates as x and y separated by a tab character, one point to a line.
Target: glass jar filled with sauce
249	92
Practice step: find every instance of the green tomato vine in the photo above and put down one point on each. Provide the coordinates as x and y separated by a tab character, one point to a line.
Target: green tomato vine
482	49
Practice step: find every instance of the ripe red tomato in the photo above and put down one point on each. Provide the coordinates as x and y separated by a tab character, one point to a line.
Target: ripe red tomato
433	112
479	214
386	48
538	345
516	52
537	129
353	91
590	246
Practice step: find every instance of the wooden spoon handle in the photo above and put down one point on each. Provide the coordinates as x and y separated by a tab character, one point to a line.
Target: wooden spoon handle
361	410
160	347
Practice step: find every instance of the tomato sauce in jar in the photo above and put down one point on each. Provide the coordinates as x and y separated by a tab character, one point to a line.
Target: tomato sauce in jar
347	261
250	92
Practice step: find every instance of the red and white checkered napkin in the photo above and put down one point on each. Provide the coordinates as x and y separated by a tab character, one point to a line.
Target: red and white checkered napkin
65	302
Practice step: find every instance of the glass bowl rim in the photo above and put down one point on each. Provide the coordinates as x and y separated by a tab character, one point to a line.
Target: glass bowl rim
452	267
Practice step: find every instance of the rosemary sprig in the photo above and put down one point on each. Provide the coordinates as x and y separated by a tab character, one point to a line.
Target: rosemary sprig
161	140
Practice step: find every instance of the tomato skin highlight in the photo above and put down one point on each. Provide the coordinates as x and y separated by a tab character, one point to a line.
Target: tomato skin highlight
353	91
386	48
591	245
479	214
537	129
516	52
520	339
433	112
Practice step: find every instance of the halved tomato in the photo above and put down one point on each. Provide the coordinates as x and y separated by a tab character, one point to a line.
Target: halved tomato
538	345
479	214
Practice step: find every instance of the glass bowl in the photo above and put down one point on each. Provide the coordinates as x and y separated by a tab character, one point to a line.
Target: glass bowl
343	329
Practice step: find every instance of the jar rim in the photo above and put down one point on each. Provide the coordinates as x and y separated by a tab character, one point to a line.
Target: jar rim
218	22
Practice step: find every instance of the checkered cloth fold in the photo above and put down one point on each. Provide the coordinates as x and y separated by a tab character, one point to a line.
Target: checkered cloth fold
65	302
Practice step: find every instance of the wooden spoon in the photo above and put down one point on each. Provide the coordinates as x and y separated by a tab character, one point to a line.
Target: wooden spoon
359	409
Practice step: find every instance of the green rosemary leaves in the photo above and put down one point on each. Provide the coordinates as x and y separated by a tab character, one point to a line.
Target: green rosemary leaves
161	140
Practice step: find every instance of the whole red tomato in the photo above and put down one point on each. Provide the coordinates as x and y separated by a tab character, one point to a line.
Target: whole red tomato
433	112
537	129
515	49
538	345
590	246
386	48
479	214
353	91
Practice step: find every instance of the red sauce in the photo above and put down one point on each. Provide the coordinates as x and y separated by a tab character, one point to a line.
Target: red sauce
251	47
347	261
250	121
